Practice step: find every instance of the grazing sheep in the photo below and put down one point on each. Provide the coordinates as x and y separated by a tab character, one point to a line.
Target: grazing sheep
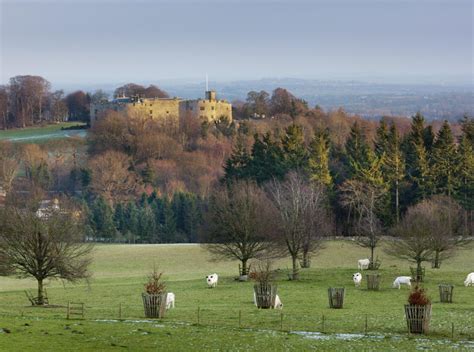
402	280
363	264
212	280
278	304
170	297
469	280
357	278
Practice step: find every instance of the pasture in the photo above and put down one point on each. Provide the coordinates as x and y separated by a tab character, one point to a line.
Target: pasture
42	133
224	318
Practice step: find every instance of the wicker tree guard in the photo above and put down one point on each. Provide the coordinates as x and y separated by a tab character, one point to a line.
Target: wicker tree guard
418	318
154	305
265	294
418	276
373	282
446	293
336	297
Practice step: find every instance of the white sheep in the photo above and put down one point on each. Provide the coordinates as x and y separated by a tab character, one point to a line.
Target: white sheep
363	264
402	280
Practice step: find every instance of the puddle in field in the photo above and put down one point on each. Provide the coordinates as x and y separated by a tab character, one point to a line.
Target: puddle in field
426	343
346	337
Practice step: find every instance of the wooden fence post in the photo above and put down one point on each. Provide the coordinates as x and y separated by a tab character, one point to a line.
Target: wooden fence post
240	318
322	324
366	324
452	330
67	310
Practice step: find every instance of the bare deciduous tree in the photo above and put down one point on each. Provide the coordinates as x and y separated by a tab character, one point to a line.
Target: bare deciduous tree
446	225
240	223
9	165
111	176
45	247
413	236
363	200
297	202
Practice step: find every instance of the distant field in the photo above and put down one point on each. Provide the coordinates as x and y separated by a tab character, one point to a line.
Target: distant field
120	271
42	134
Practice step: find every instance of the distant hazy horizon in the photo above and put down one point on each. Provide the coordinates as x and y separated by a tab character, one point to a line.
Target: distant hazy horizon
106	42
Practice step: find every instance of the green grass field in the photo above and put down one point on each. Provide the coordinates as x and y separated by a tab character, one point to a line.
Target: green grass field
42	134
120	271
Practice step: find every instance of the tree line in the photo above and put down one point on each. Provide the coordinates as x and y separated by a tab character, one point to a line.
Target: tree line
29	100
151	219
379	179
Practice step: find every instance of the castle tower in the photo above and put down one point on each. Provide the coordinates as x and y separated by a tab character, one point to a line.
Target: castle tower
211	95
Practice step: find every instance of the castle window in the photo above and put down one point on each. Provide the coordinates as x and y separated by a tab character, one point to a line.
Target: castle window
151	112
167	112
202	108
212	108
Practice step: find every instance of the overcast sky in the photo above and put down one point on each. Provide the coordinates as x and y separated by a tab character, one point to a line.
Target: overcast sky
107	41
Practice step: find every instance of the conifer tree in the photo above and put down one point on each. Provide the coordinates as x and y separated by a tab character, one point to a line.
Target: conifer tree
394	168
132	219
445	161
102	221
168	227
359	154
148	174
267	160
467	126
418	159
120	219
465	192
147	226
294	149
237	166
381	138
318	161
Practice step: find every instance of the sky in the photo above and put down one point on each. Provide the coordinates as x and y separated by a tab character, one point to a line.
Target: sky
106	41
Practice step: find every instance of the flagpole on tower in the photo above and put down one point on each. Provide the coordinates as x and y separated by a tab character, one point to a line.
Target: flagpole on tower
207	83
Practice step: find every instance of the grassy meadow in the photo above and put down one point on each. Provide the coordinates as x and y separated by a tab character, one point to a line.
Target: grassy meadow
119	272
39	134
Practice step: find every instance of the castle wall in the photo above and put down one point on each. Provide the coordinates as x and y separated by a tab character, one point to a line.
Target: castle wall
207	110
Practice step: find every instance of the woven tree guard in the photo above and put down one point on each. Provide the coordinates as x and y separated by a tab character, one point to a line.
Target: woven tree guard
154	305
336	297
373	282
446	293
418	275
418	318
244	276
374	264
265	294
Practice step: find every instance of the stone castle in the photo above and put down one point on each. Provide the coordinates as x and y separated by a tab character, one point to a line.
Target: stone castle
207	110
